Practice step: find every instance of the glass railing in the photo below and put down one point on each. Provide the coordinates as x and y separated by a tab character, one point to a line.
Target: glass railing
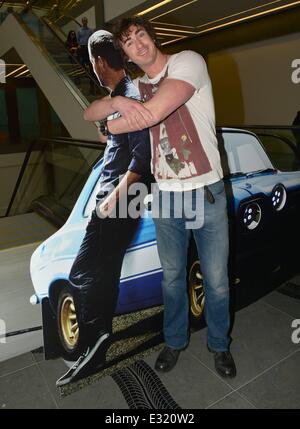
82	80
54	172
281	143
52	176
292	133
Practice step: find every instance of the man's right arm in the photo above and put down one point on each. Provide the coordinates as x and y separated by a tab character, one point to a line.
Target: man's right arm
184	78
140	116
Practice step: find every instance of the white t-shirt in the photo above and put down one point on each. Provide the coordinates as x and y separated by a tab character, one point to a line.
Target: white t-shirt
190	67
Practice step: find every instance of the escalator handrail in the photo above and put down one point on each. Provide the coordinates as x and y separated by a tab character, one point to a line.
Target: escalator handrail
57	31
88	144
20	177
63	76
69	141
56	34
286	140
263	127
277	136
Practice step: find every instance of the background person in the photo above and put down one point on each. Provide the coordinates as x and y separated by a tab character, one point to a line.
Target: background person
73	47
72	44
83	36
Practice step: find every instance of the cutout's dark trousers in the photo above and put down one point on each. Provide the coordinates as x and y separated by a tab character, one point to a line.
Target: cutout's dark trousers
95	273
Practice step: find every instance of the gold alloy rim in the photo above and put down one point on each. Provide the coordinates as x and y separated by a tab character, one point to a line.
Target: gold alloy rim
196	290
69	324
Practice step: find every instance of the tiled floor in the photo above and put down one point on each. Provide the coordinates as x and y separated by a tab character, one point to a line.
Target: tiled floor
267	362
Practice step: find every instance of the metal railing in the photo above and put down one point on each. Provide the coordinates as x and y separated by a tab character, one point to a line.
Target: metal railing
63	164
58	173
51	43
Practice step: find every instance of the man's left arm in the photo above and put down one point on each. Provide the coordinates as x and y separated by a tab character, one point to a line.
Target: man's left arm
171	94
187	73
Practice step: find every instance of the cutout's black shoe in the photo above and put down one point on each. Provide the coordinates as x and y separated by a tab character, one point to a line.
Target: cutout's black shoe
85	361
167	359
224	363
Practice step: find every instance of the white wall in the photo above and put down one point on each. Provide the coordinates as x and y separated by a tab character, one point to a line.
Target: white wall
70	26
91	16
253	83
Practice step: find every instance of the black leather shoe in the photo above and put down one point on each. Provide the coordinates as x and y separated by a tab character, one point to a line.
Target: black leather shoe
166	359
224	363
91	359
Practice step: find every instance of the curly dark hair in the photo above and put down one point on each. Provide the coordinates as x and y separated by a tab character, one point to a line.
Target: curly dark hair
121	30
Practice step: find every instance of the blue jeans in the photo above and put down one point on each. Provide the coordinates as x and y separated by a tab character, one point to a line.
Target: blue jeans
212	246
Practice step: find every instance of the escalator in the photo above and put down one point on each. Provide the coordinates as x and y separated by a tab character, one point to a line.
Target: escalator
50	180
51	176
64	82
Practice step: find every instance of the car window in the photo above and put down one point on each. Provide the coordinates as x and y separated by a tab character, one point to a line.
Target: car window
241	152
282	154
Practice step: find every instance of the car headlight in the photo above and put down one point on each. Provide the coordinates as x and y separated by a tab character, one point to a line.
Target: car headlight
278	196
252	215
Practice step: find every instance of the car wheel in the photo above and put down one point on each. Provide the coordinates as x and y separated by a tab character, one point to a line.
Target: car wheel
68	328
196	291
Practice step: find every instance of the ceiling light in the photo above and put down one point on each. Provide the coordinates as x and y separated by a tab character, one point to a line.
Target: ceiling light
172	10
156	6
15	71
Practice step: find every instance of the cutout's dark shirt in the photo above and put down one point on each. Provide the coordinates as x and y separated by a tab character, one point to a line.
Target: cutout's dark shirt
128	151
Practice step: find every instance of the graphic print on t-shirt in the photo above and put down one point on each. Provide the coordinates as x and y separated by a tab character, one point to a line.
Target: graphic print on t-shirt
177	152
